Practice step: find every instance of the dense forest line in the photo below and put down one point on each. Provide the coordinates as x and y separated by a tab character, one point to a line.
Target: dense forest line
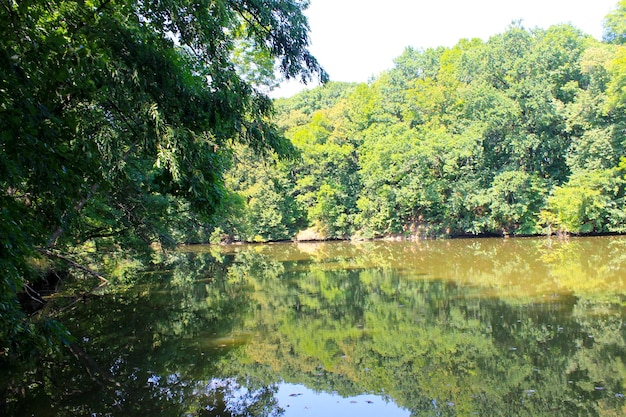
521	134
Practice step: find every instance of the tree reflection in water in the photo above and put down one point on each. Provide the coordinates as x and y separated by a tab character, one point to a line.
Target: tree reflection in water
491	327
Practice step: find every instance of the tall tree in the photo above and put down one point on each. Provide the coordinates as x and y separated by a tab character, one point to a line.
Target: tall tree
115	116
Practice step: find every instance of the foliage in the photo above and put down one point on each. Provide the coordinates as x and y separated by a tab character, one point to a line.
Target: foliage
269	210
590	202
615	25
500	137
117	120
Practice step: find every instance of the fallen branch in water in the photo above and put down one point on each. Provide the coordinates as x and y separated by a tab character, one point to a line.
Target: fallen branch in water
83	296
75	264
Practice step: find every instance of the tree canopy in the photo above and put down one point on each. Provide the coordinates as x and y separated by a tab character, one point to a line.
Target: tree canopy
520	134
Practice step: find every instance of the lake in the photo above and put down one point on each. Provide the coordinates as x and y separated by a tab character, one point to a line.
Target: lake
461	327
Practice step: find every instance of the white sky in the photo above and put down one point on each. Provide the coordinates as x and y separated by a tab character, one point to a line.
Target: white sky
355	40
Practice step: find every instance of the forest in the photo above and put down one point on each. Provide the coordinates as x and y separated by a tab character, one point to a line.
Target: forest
522	134
127	126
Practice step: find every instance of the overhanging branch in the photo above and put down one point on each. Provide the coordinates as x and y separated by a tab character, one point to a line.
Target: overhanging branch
75	264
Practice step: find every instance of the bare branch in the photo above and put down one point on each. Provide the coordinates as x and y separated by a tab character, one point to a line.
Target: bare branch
74	264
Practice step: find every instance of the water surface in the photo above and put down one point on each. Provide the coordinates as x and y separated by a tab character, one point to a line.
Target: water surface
435	328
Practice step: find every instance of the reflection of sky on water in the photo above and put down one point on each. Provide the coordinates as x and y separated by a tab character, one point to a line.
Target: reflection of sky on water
297	400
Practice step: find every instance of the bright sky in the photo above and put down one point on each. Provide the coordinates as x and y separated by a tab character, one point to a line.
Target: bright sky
355	40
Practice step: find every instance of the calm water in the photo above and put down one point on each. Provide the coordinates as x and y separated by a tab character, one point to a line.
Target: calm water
519	327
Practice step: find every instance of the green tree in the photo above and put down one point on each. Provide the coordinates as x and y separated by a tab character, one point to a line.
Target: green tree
117	116
515	200
615	25
590	202
326	179
265	190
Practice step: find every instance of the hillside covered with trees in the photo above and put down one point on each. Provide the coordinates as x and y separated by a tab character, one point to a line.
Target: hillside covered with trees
521	134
